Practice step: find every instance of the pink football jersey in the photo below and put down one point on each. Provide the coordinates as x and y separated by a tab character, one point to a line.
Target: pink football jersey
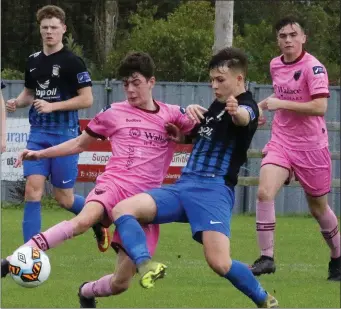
303	80
141	150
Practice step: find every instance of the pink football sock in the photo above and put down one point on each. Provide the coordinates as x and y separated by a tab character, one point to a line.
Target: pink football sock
99	288
265	226
330	231
51	238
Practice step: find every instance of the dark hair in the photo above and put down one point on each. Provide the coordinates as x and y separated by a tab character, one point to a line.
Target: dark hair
233	58
289	20
50	11
136	62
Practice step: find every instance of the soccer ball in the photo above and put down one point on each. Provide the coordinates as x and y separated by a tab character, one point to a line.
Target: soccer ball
29	267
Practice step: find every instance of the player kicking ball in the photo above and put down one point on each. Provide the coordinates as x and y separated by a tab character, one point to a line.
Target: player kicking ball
204	194
142	151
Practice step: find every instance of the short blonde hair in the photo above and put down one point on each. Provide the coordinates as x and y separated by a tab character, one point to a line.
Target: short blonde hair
50	11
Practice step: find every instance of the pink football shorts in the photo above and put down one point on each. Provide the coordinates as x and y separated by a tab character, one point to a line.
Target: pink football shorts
108	196
311	168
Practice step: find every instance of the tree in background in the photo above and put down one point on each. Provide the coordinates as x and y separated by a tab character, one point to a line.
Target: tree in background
180	45
179	34
223	25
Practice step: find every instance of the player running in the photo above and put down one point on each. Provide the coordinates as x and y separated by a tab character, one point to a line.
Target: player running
298	145
57	85
141	154
204	194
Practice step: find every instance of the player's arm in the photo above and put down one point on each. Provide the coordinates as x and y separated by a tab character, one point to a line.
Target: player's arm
317	81
262	104
73	146
70	147
242	114
315	107
25	98
181	126
100	127
84	99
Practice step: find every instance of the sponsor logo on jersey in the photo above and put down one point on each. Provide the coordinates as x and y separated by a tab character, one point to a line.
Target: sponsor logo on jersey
44	92
250	111
133	120
83	77
318	69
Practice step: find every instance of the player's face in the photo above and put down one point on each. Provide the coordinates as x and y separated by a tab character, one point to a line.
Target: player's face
225	82
138	89
291	39
52	31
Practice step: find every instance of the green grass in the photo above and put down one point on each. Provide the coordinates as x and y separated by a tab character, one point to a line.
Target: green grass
300	280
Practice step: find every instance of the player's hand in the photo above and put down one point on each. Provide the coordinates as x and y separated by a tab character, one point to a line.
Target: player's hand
29	155
261	118
273	104
42	106
196	112
231	106
174	133
11	105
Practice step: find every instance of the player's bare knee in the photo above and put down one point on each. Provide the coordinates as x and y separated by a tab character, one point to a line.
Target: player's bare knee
34	189
264	194
317	210
219	264
317	205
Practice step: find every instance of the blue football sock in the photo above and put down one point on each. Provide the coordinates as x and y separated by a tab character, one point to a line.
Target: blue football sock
243	279
31	223
78	204
133	238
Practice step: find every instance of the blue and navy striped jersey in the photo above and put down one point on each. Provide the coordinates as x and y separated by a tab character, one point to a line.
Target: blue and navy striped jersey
54	78
221	147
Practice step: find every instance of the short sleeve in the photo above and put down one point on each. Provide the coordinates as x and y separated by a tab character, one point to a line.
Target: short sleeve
102	125
78	74
252	108
181	120
29	81
317	80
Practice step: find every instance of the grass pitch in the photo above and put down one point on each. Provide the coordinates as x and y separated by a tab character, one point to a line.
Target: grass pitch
300	280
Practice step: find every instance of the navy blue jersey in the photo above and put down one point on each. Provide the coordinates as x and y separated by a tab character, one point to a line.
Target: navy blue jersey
3	85
221	147
55	78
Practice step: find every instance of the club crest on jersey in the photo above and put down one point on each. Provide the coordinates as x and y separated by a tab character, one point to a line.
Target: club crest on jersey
318	69
297	75
55	70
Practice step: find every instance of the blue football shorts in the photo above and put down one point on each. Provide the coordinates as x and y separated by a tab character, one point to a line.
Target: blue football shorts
62	171
205	202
